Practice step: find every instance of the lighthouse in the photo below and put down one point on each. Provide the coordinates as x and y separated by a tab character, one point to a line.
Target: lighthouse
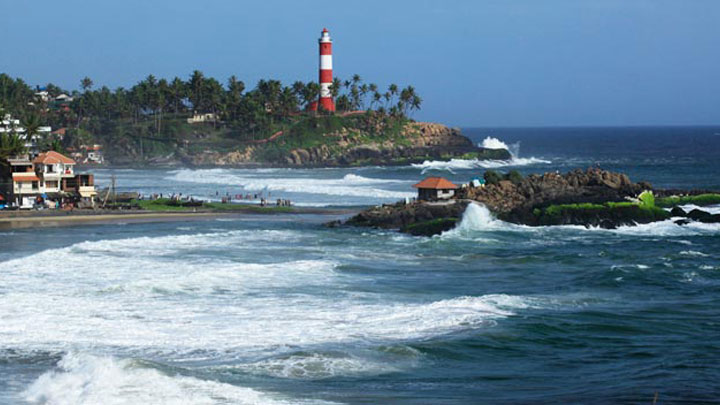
326	77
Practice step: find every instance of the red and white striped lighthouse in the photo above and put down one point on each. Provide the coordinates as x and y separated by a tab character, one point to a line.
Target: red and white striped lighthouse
326	77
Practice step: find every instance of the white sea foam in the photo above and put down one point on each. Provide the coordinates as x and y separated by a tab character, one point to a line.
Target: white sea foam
666	228
477	218
158	295
494	143
87	379
712	209
349	185
469	164
314	366
694	253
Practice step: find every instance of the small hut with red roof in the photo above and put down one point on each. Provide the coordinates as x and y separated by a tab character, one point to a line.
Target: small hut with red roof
435	188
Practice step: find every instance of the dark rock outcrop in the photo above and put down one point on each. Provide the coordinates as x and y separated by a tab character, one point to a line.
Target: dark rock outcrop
402	216
702	216
416	142
515	202
579	197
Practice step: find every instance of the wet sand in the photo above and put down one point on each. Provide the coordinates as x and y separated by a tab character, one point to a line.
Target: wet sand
41	219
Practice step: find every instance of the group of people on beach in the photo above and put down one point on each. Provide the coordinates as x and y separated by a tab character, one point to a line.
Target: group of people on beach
280	202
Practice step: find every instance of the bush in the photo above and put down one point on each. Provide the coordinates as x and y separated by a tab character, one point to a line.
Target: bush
491	177
647	199
514	176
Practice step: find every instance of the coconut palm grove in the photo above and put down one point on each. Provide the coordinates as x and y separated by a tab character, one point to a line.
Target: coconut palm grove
154	116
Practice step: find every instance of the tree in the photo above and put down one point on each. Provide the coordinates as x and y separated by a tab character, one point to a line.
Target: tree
491	177
233	97
31	122
514	177
335	87
196	89
177	94
86	83
10	145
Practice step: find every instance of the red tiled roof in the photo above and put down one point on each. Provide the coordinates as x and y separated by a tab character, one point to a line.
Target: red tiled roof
436	183
52	157
21	179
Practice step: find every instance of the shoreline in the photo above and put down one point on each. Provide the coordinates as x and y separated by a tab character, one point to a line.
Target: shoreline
45	219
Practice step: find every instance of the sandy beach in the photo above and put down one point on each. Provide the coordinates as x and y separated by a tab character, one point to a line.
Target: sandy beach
40	221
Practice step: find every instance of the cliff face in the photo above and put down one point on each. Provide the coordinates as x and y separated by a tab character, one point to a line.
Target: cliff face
415	143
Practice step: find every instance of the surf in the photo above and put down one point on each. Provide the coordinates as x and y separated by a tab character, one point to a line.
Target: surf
469	164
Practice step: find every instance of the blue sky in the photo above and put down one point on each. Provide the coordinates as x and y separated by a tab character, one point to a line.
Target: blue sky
475	63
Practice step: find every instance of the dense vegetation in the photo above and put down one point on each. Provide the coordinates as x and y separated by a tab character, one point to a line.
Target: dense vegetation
150	118
644	210
700	200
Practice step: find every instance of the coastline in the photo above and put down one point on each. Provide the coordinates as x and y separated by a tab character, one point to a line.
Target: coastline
44	219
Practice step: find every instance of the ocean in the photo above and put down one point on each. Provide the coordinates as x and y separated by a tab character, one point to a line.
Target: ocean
282	310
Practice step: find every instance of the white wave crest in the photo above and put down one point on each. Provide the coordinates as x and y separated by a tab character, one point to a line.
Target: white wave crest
469	164
349	185
316	366
86	379
712	209
694	253
478	218
494	143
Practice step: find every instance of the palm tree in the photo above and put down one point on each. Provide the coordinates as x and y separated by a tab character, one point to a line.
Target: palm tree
416	102
233	97
195	86
377	97
177	93
10	145
86	83
335	88
31	122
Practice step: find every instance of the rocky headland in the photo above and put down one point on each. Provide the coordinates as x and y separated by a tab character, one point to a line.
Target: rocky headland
414	142
593	198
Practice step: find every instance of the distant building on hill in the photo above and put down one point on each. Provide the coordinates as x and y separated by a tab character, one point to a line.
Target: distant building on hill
200	118
435	188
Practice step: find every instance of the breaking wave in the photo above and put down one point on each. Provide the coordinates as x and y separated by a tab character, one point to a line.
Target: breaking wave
317	366
350	185
87	379
477	218
712	209
179	297
469	164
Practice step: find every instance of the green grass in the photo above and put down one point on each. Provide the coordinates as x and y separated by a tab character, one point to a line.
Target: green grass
645	208
701	200
557	209
246	207
165	204
646	202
